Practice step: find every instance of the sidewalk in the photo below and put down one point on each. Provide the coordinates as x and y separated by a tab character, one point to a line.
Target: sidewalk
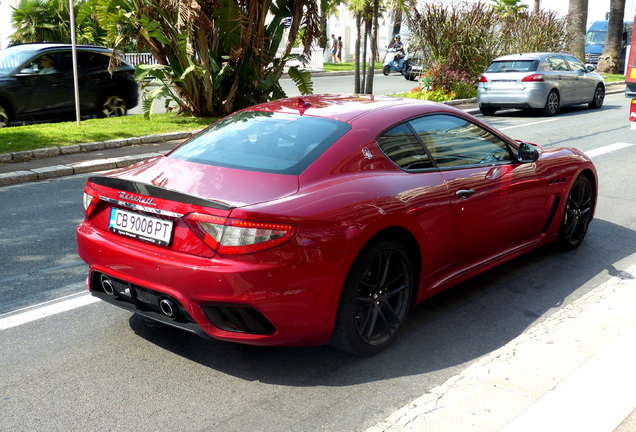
572	372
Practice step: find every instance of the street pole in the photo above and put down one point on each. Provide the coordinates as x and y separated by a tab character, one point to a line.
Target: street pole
74	52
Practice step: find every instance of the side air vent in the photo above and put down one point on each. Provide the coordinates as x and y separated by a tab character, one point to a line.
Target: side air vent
237	318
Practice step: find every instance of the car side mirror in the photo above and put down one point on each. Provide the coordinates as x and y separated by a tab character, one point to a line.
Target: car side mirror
589	68
527	153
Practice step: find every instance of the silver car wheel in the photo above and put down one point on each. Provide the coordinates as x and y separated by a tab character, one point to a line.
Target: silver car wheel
4	117
113	106
552	104
599	97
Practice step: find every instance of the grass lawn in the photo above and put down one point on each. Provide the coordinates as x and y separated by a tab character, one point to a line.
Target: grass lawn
336	67
42	135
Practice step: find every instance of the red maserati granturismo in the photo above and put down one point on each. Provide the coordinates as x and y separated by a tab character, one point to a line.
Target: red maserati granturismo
324	219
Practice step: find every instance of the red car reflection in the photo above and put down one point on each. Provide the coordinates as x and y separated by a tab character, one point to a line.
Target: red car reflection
322	220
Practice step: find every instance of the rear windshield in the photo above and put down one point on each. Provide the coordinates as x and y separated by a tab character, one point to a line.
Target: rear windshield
513	66
263	141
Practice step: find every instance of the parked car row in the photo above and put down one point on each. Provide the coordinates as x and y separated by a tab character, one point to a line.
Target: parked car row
36	83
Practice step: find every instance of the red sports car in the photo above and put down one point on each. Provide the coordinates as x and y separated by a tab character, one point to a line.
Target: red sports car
323	219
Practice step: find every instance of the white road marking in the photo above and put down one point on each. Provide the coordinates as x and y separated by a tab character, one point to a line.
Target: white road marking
607	149
37	312
528	124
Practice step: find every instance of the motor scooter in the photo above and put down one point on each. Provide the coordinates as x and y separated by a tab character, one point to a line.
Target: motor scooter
391	64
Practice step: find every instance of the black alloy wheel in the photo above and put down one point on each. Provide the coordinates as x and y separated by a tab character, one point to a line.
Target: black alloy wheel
577	214
599	97
551	104
375	299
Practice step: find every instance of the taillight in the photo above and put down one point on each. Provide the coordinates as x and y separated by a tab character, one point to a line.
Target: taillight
483	79
533	78
632	111
237	236
91	199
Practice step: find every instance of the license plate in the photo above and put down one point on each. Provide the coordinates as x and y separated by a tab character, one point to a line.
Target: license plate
154	230
504	84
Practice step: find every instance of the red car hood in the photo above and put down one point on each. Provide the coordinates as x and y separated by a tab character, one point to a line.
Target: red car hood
232	187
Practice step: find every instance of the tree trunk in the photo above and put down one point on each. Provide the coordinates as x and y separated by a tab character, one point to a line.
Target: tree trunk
368	89
578	10
608	62
537	6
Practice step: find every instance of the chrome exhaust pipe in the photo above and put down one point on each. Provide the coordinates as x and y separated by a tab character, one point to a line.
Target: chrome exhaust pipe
107	284
169	307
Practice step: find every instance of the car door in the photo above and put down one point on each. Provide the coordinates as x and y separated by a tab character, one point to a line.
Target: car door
564	79
584	82
94	78
46	92
497	202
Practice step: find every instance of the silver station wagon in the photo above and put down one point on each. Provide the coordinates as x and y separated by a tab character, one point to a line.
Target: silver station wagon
543	81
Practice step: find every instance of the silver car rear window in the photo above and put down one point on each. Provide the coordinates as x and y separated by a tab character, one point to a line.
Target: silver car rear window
513	66
263	141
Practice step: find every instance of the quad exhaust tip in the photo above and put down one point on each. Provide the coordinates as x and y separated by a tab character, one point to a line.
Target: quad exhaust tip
169	307
107	284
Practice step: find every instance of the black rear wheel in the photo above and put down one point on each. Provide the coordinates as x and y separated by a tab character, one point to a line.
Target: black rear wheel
577	214
375	299
4	116
551	104
487	111
112	106
386	70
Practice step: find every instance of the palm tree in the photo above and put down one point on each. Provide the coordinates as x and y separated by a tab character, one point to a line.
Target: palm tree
33	21
578	11
609	60
509	7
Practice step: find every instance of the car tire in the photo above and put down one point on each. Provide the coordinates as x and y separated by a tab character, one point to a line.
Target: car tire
599	97
406	71
112	106
375	299
4	116
386	70
487	111
551	104
577	214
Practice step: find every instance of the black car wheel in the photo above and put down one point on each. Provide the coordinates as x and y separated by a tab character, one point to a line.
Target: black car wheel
375	299
551	104
4	116
599	97
577	214
487	111
113	106
386	70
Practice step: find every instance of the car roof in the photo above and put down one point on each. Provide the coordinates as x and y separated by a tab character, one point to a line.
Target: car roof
44	46
347	107
528	56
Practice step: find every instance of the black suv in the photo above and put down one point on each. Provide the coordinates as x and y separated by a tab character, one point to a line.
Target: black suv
36	83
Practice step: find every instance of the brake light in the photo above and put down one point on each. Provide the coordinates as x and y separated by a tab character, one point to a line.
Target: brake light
533	78
483	79
632	111
91	198
237	236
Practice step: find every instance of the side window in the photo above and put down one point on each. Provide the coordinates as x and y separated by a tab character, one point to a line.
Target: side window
453	141
91	60
557	64
400	145
575	65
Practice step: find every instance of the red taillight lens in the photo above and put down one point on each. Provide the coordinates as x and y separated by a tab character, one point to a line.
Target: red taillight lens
91	198
533	78
483	78
632	111
236	236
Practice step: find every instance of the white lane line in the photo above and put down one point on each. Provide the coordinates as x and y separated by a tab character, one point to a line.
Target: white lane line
528	124
46	311
607	149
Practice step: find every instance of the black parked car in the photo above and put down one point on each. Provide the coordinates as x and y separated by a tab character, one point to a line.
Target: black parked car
36	83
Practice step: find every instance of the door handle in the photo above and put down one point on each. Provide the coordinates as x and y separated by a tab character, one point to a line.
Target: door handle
465	193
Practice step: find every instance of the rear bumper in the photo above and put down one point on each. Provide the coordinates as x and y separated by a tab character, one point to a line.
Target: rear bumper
529	97
292	292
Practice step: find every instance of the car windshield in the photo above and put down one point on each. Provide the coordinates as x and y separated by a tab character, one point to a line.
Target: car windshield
595	37
263	141
13	57
513	66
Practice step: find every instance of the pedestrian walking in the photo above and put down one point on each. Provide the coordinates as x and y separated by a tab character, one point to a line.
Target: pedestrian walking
334	48
340	46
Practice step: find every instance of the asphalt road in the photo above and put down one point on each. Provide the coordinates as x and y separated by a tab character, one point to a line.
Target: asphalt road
96	367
